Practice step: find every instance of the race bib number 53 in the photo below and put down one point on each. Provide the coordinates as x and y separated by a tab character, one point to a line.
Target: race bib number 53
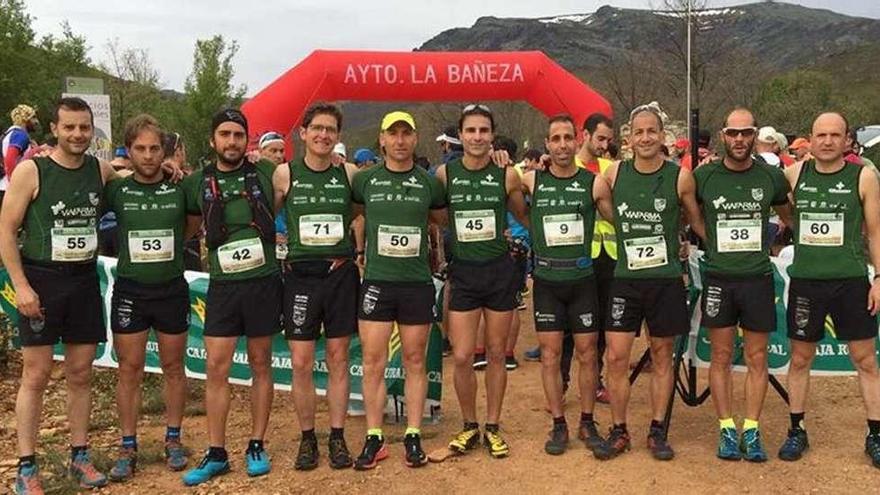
151	246
240	256
399	241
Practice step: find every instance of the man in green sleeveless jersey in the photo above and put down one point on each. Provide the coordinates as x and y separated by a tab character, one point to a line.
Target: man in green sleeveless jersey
484	280
54	200
833	199
235	199
150	291
736	195
397	200
650	195
565	198
321	287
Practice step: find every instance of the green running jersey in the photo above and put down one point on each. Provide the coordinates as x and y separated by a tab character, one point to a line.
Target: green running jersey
736	207
477	202
151	219
828	220
60	224
396	207
318	207
646	218
562	217
244	256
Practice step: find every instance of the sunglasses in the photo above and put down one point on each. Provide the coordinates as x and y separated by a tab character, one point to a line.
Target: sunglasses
475	106
745	132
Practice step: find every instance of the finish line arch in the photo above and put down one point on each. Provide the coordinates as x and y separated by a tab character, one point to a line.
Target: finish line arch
327	75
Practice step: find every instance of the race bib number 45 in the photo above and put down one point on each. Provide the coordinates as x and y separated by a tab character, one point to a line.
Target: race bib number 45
321	230
241	256
74	243
736	236
564	230
151	246
645	252
821	229
399	241
475	225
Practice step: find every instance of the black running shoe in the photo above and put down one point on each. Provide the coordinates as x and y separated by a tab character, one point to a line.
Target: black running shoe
373	452
659	445
872	449
795	445
617	443
558	441
415	456
307	457
340	457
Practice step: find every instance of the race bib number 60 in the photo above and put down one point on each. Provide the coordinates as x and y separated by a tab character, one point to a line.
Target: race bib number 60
399	241
240	256
821	229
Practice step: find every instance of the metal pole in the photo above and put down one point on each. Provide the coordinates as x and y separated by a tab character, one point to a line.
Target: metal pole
688	113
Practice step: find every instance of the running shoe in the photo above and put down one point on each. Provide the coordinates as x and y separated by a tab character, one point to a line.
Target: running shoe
589	434
795	445
206	470
415	456
618	442
728	446
511	363
373	452
258	462
558	441
602	395
533	354
126	465
659	445
27	481
307	457
480	361
872	449
496	445
465	440
752	447
175	455
84	472
340	457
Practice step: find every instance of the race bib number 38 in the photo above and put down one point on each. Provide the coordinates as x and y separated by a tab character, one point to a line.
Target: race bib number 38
321	230
645	252
240	256
475	225
735	236
151	246
821	229
564	230
74	243
399	241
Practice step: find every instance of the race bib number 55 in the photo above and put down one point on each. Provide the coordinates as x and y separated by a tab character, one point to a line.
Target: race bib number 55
74	243
240	256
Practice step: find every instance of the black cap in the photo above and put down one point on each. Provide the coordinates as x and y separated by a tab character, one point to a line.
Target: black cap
229	115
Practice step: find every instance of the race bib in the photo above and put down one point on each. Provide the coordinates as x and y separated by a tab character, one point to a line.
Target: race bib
151	246
74	243
281	251
736	236
321	230
821	229
399	241
475	225
240	256
645	252
563	230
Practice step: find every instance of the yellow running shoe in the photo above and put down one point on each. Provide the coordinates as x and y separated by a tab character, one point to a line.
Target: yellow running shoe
466	439
497	446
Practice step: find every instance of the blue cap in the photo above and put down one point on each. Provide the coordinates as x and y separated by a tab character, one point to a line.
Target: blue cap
120	152
364	155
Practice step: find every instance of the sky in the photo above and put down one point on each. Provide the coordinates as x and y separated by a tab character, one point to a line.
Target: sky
274	35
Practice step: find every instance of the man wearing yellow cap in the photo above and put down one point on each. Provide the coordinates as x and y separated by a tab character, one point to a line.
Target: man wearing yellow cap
397	199
16	141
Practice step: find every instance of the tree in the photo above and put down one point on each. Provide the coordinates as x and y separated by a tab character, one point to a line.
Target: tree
134	85
208	89
16	37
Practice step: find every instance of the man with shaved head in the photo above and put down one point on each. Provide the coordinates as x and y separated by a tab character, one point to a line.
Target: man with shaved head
736	194
832	199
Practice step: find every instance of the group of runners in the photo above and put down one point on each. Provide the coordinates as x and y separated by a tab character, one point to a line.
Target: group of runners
340	221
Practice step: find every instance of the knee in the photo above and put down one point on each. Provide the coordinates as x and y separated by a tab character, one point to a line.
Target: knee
302	364
866	365
722	356
218	367
462	359
550	357
132	367
337	358
616	360
756	359
414	359
800	361
495	354
373	361
79	377
261	366
35	378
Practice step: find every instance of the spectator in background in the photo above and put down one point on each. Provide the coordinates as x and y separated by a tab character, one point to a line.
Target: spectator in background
782	150
767	146
422	161
272	147
613	151
175	150
800	147
339	155
16	141
450	145
531	161
365	158
121	163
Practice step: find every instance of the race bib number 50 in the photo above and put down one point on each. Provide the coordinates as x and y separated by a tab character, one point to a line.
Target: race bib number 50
735	236
74	243
399	241
240	256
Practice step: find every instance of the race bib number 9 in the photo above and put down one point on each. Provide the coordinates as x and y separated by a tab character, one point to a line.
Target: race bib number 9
474	225
645	252
74	243
241	256
563	230
821	229
321	230
399	241
151	246
736	236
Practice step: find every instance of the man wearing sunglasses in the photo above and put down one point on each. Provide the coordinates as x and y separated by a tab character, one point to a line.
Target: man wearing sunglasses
833	199
736	195
483	276
320	289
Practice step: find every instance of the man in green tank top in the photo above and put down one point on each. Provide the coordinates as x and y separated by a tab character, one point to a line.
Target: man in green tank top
149	291
235	199
398	199
565	198
54	200
650	194
483	277
320	289
736	195
833	199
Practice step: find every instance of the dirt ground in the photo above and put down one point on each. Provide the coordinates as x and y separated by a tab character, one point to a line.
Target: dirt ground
836	463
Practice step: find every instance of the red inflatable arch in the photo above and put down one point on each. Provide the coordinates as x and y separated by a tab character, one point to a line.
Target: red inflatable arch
420	76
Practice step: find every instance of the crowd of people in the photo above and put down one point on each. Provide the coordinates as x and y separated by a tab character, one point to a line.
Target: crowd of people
600	227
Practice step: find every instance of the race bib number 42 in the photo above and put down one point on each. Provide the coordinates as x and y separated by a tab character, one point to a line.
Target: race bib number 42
399	241
151	246
564	230
645	252
736	236
821	229
321	230
475	225
241	256
74	243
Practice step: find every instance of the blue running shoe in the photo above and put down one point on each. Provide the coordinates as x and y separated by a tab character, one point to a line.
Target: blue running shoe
728	448
85	473
27	481
175	455
752	447
257	462
533	354
795	445
206	470
126	465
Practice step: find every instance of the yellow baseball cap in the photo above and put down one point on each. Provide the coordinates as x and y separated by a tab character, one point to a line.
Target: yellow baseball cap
395	117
